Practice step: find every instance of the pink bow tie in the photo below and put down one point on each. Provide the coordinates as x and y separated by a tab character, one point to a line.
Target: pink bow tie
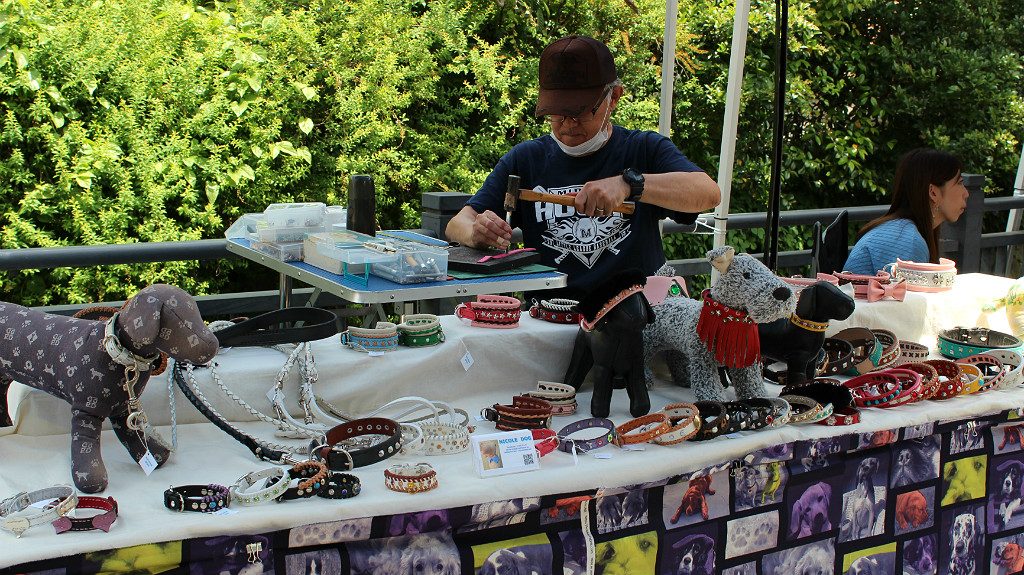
877	291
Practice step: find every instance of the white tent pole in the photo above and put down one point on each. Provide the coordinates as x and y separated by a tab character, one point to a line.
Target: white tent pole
668	68
1013	220
733	92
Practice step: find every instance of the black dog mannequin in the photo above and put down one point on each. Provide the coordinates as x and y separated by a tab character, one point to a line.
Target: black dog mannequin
615	346
784	340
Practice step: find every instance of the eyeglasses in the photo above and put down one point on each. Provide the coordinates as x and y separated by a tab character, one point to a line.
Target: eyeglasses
558	118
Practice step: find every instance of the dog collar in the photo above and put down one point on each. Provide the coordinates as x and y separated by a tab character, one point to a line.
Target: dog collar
729	334
646	427
524	413
66	501
685	421
714	419
589	325
121	354
494	311
845	416
102	521
949	377
569	445
556	310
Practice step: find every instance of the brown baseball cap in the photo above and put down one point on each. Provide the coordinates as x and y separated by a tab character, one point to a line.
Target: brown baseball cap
573	73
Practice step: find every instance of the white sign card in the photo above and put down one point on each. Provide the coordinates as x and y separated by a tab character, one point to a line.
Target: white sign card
505	452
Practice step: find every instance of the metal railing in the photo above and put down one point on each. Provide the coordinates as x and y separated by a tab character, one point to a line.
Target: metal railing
962	241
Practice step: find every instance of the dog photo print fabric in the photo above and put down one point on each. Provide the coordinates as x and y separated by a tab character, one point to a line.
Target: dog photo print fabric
621	510
243	555
914	510
1006	438
811	510
812	558
1005	489
921	555
751	534
961	540
330	532
758	485
915	460
434	553
1007	555
627	555
321	562
689	552
696	500
523	555
964	479
874	561
863	513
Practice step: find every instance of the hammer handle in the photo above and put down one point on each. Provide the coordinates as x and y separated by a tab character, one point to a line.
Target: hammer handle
532	196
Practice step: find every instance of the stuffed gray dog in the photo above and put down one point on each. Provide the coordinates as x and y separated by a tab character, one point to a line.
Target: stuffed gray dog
101	368
725	334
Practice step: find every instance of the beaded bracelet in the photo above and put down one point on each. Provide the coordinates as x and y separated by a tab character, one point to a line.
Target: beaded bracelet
494	311
990	369
311	475
556	310
562	397
1012	363
382	338
874	389
275	483
420	330
200	498
340	486
950	381
410	477
685	421
647	428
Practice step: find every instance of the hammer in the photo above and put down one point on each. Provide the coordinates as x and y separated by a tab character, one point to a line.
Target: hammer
513	193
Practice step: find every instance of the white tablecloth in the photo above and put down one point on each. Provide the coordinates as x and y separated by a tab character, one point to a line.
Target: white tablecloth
35	453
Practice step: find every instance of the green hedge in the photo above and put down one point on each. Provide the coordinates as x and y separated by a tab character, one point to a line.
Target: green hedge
158	120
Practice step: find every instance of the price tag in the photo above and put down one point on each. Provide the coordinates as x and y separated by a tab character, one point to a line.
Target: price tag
147	463
375	353
272	394
634	448
223	511
602	456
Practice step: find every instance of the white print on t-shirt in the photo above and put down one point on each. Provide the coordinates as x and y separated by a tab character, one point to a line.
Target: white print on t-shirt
584	237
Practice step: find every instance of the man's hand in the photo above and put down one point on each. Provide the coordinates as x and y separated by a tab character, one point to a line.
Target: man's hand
600	197
491	231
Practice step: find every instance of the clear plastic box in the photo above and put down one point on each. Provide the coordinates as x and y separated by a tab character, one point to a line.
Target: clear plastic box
245	227
413	263
268	233
337	216
281	251
296	215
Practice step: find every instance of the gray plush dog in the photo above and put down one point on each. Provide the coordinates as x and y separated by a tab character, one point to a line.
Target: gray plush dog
746	292
101	368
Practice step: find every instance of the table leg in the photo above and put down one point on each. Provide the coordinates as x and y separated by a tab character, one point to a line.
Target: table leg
285	289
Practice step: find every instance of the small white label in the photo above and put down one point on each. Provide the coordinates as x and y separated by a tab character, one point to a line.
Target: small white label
602	456
147	463
480	418
375	353
223	511
466	360
272	395
633	448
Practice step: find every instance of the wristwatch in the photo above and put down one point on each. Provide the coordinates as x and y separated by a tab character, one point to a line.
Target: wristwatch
636	184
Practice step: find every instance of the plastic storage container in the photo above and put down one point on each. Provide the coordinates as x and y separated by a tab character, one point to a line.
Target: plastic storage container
413	263
296	215
245	227
281	251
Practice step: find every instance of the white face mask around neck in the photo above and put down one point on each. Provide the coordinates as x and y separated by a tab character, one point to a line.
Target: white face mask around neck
593	144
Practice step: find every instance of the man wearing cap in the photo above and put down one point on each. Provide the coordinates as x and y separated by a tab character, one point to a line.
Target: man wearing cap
602	164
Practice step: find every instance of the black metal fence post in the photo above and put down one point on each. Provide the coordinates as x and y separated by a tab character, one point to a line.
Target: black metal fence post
362	205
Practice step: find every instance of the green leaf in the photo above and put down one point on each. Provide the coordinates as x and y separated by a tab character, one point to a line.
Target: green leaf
309	92
239	108
104	102
254	83
303	153
33	80
58	119
257	151
19	58
243	171
306	125
91	86
84	180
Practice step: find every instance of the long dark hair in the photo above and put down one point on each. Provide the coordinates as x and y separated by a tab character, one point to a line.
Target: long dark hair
916	171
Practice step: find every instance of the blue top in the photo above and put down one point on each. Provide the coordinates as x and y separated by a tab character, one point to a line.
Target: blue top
897	238
587	249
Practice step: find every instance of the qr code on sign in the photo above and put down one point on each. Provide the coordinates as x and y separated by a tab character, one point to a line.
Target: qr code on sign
527	459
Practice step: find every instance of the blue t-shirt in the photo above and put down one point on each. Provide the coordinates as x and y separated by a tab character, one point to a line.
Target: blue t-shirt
897	238
587	249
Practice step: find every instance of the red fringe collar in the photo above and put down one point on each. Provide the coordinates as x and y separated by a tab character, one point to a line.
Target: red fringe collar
729	334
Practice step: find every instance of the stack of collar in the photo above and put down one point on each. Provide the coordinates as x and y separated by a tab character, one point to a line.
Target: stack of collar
925	276
383	337
358	443
494	311
524	412
960	342
420	330
556	310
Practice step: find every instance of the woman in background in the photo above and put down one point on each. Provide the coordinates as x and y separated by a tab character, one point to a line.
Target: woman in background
928	190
